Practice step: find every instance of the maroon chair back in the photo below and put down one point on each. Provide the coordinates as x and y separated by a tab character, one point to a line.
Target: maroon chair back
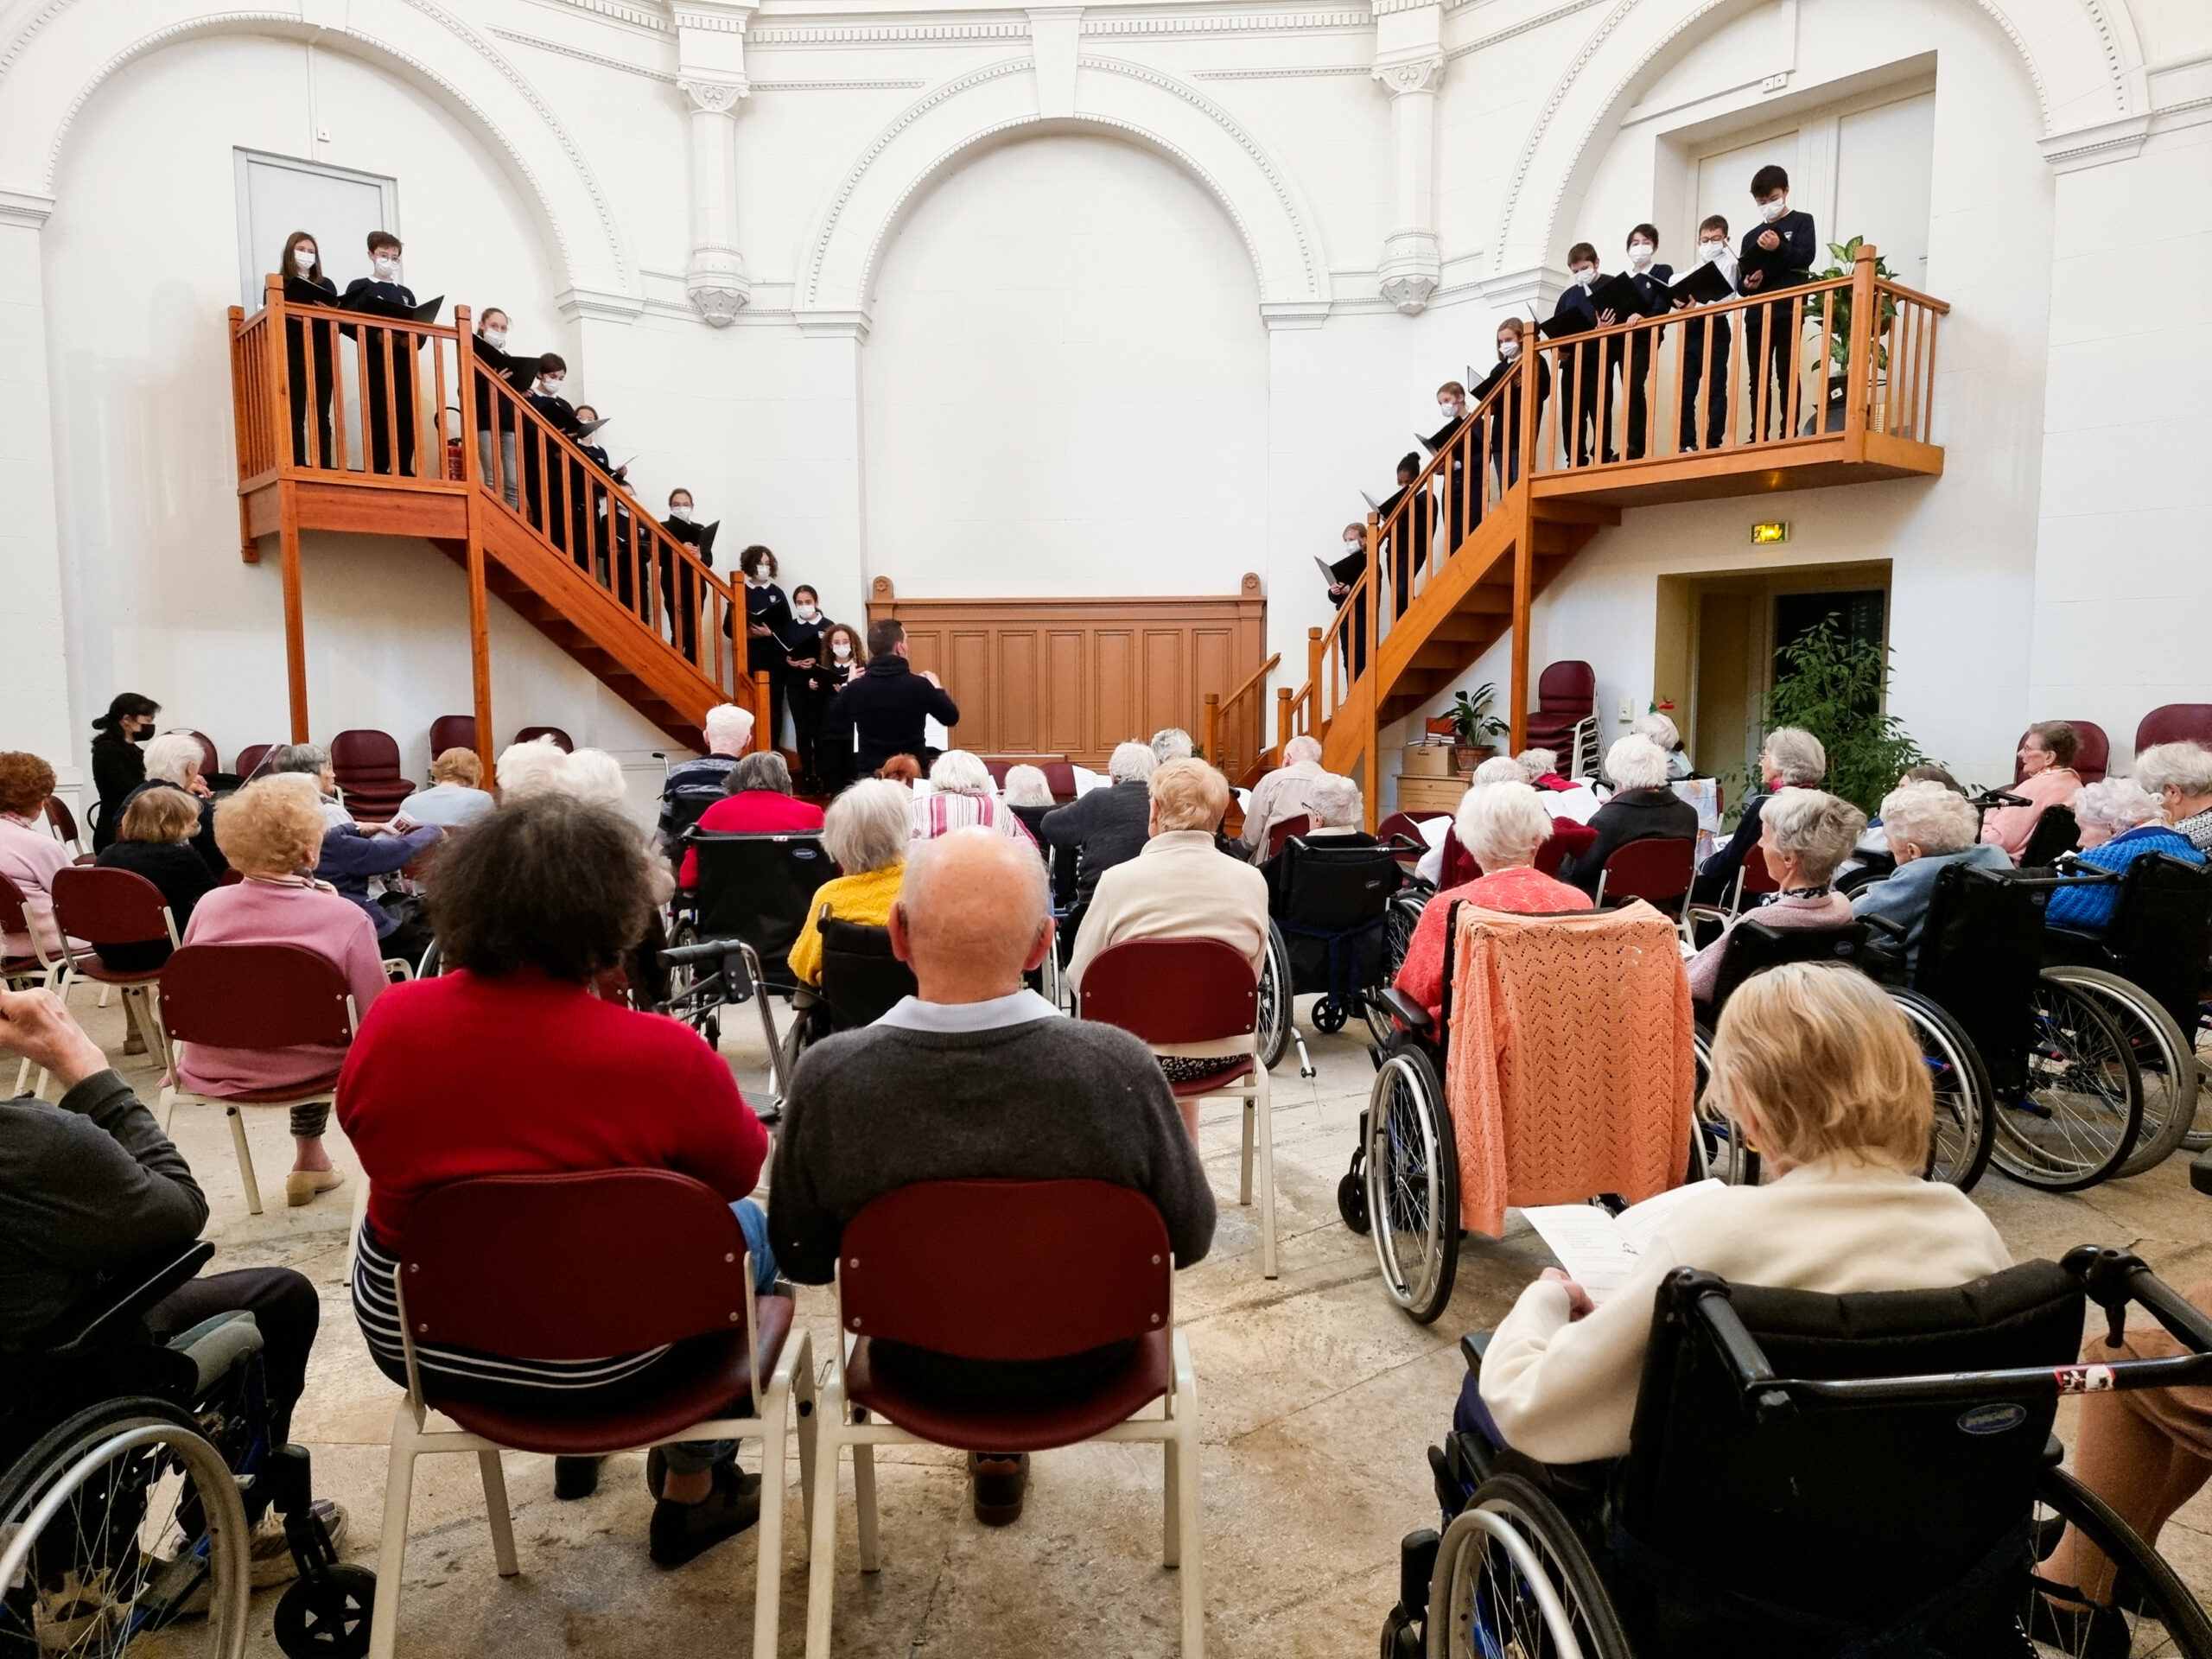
63	820
1657	870
1001	1270
2176	723
531	733
257	996
1297	825
1757	877
1059	777
14	919
1408	825
998	769
1567	689
230	877
1172	990
1459	866
365	757
452	732
108	906
210	762
2092	755
573	1266
250	760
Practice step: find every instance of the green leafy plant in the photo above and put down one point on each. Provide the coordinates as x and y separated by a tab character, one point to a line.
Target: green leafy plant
1472	723
1833	687
1846	256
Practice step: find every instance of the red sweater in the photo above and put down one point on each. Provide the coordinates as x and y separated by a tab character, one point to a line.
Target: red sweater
462	1075
751	812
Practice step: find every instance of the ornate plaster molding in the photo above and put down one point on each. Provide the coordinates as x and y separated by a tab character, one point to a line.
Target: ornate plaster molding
715	97
24	210
1278	22
1296	71
875	33
599	59
1416	75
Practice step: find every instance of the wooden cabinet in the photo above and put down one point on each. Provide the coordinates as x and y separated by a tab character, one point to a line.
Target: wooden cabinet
1430	794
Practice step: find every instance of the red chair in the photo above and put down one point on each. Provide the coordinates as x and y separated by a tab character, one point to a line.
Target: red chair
1282	830
2176	723
1198	998
256	996
250	760
1408	825
2091	758
96	906
531	733
1059	777
367	766
210	762
63	823
1458	866
452	732
1567	840
1564	718
580	1265
40	970
1657	870
1752	879
931	1265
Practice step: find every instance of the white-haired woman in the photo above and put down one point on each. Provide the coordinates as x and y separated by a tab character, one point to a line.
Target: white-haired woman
1805	835
1929	826
1106	827
2120	824
1501	826
1642	808
538	767
1662	730
2180	775
173	762
1541	768
867	830
1791	758
961	797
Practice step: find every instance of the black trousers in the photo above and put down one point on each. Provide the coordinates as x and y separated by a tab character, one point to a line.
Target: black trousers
284	1304
397	397
1769	326
307	393
1695	352
809	703
1639	390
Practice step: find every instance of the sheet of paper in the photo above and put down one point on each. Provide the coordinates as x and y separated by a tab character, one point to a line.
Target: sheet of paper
1588	1243
1639	1221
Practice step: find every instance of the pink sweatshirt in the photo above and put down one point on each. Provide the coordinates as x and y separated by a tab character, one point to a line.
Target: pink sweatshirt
29	857
2009	827
274	913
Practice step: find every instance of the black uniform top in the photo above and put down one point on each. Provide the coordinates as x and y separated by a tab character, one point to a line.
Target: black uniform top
1651	283
559	413
767	605
368	287
886	705
802	642
1788	265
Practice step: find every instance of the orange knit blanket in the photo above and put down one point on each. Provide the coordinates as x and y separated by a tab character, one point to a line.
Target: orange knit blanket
1571	1070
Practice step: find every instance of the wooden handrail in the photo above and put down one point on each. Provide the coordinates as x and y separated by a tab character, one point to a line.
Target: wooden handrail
1257	675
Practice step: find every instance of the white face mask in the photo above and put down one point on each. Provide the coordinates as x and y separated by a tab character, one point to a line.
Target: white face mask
766	577
385	267
495	338
841	650
1508	350
549	385
1448	411
304	258
1351	546
1709	251
1641	254
805	613
1587	277
683	513
1771	211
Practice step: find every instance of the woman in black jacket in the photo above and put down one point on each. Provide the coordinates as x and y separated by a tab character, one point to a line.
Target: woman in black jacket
767	626
1643	809
810	688
157	828
118	766
302	260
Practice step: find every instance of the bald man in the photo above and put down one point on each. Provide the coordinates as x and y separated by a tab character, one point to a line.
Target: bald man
975	1078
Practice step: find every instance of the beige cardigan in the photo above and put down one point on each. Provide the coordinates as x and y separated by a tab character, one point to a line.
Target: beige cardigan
1565	1392
1178	888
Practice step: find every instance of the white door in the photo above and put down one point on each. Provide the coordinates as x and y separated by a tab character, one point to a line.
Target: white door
1723	185
1881	182
278	195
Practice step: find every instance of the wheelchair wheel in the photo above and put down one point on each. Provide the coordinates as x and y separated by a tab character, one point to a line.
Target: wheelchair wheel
111	1521
1276	1006
1717	1148
1412	1184
1398	924
326	1618
1512	1577
2153	1612
683	990
2164	1057
1959	1146
1329	1016
2075	1120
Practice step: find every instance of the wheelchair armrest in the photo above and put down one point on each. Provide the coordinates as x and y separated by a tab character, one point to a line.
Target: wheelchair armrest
1895	929
1403	1009
1472	1347
112	1307
2200	1172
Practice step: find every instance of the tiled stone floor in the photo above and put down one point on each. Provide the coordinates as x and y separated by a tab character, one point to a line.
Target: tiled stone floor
1318	1399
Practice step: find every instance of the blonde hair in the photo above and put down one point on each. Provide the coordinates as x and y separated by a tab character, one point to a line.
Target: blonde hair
1816	1061
458	766
1189	795
161	815
273	826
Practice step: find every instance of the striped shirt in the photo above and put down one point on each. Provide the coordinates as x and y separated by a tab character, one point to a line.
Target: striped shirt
937	815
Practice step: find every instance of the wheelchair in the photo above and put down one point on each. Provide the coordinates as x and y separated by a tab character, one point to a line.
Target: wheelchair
1331	928
135	1474
862	981
1780	1436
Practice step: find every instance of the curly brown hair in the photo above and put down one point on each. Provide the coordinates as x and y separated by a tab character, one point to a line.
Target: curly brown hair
25	782
547	881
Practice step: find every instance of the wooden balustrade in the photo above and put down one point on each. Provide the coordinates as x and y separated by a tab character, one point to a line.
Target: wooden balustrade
1233	730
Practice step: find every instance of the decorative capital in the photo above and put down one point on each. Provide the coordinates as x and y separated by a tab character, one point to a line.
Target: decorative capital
718	285
1417	74
1411	269
715	97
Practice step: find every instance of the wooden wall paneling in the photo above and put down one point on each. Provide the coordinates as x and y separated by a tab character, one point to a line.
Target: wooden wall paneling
1166	679
1113	689
1017	708
968	676
1067	717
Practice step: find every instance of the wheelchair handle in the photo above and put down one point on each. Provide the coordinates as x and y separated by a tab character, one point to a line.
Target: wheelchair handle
1993	797
686	955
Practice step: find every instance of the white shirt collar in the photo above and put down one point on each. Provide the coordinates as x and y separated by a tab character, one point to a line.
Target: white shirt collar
911	1013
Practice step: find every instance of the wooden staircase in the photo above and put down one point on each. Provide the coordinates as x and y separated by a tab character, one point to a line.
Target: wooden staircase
1529	477
574	555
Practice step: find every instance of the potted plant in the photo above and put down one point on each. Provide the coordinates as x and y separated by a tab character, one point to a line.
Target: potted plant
1845	255
1473	726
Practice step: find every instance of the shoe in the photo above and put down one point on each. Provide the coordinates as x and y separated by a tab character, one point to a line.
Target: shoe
269	1557
301	1185
575	1478
2092	1631
681	1532
1001	1484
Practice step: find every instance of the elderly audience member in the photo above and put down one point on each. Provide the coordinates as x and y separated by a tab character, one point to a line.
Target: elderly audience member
1791	758
30	856
692	786
2180	776
1029	792
961	798
173	762
1642	808
1501	826
1929	826
1814	1065
868	830
531	905
1108	826
538	767
1283	793
2120	824
1181	886
456	796
273	833
759	803
2047	779
976	1078
154	830
310	760
1662	730
1541	768
900	769
353	857
1336	814
1804	835
1171	743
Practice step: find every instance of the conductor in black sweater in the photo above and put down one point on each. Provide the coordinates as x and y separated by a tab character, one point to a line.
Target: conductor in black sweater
1776	253
393	358
882	711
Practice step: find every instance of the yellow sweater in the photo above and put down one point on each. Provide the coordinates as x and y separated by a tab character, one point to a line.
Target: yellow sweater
866	898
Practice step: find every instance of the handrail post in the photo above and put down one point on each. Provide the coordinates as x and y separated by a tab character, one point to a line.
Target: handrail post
1859	376
1282	721
1524	551
242	424
763	706
1213	728
280	376
472	468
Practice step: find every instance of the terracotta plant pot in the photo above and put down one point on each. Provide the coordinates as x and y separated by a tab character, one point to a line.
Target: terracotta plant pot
1468	756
